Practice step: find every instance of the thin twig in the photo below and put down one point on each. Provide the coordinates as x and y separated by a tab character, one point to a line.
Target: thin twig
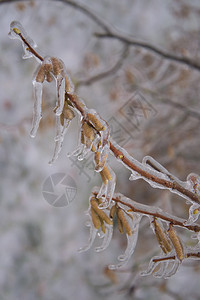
172	185
152	211
112	33
106	73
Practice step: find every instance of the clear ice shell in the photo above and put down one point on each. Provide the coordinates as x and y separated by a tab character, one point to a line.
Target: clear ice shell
37	115
60	134
107	238
16	26
93	233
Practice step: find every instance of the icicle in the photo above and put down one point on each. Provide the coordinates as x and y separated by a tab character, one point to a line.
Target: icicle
152	265
37	108
60	133
17	32
93	233
107	238
173	270
131	244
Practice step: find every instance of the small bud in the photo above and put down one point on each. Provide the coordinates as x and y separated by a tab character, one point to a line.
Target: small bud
16	30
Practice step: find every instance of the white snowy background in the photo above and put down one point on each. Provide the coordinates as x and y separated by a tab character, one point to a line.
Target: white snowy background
38	242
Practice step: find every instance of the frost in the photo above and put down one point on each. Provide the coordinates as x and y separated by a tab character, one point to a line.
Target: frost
37	115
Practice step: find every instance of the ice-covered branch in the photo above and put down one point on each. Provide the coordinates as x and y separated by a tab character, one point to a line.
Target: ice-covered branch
152	211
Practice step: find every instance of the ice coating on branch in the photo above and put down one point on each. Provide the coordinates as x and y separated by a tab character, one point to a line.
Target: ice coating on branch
145	168
60	134
193	181
194	213
18	32
37	110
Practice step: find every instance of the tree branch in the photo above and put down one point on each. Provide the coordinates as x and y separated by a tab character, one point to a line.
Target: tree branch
106	73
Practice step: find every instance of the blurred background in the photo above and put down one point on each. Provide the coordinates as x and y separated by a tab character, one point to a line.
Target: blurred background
152	106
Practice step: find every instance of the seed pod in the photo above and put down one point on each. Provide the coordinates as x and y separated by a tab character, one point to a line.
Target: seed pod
162	237
125	223
95	219
176	242
103	226
106	173
48	68
97	157
93	149
40	75
88	131
57	68
82	137
113	211
62	119
67	85
95	122
49	77
100	212
119	224
103	177
68	113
